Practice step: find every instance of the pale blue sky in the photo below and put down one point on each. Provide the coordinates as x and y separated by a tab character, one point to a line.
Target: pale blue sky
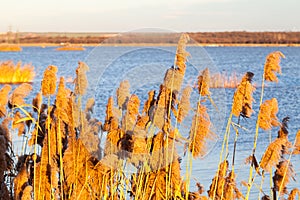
127	15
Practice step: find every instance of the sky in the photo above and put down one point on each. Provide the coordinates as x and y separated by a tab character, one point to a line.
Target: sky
128	15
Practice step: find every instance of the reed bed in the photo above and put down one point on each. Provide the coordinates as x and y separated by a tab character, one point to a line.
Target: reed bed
16	73
70	47
223	80
63	158
10	47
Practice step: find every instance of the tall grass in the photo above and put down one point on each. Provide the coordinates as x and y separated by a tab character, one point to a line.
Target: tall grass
63	158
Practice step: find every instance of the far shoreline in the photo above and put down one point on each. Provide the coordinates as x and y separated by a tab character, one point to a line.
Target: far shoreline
43	45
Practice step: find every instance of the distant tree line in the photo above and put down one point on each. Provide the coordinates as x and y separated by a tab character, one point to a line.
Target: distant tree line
241	37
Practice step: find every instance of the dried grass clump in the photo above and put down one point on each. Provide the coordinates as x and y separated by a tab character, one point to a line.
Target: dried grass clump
49	81
200	132
16	73
204	82
242	99
272	66
267	114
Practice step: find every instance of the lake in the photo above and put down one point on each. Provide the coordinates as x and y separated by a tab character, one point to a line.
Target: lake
144	67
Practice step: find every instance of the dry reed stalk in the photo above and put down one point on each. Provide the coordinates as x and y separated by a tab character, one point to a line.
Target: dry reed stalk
20	182
293	194
3	163
15	73
77	165
61	101
200	132
18	95
4	99
4	130
204	82
173	79
230	189
89	136
80	81
123	94
111	120
132	112
89	107
113	139
267	114
218	182
184	105
242	99
46	176
272	66
181	53
163	103
27	193
148	106
284	172
49	81
273	154
100	177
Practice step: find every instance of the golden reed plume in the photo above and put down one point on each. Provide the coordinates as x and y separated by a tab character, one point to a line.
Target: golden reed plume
184	105
80	81
200	132
204	82
272	66
267	114
11	73
18	95
273	154
49	81
123	94
242	99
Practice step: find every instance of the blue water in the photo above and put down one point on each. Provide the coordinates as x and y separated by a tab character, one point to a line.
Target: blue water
144	67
